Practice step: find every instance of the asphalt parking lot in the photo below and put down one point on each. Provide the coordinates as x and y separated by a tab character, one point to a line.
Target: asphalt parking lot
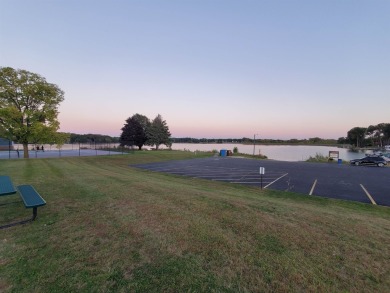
358	183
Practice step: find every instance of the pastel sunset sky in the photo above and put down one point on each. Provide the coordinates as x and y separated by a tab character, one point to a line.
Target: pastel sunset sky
218	68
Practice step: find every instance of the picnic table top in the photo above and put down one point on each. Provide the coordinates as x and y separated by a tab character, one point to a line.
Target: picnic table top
6	186
30	196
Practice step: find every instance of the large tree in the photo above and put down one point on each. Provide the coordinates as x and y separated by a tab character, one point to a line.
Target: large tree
29	108
378	134
158	133
356	135
134	131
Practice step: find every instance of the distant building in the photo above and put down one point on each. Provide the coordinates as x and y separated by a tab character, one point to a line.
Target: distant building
4	144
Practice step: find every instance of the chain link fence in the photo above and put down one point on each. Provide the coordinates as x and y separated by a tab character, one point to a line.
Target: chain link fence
13	151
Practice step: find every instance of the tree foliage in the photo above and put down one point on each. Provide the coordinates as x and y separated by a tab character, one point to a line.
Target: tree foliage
139	130
356	135
134	131
158	133
29	107
372	136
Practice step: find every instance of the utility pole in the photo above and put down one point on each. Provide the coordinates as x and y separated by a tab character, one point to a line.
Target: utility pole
254	142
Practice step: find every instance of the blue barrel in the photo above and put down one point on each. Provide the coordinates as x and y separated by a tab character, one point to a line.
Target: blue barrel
223	153
339	161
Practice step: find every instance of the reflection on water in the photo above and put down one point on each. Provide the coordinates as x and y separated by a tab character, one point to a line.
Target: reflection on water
275	152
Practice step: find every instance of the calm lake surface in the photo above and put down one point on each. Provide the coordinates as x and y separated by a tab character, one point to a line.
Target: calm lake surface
274	152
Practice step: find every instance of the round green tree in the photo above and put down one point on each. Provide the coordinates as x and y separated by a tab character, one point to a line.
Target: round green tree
28	108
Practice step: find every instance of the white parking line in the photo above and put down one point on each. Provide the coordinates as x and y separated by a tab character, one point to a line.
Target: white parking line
312	188
369	196
230	176
275	180
242	182
233	180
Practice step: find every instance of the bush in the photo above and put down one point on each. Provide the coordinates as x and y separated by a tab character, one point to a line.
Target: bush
318	158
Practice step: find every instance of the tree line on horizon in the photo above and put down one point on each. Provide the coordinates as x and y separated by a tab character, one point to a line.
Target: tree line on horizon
247	140
357	137
99	138
371	136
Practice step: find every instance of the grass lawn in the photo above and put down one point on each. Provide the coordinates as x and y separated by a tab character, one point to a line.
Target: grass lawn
108	227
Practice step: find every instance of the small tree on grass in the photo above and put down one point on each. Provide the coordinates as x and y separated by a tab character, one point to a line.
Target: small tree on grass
158	133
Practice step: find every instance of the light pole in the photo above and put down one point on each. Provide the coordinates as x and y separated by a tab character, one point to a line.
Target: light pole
254	142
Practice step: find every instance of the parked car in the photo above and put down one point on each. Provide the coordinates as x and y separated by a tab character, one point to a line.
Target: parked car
370	160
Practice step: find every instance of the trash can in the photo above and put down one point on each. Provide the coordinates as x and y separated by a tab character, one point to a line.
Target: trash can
339	161
223	153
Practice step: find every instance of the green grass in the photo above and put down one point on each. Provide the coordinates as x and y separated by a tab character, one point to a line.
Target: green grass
108	227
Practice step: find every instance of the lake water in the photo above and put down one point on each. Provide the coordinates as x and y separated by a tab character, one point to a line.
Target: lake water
274	152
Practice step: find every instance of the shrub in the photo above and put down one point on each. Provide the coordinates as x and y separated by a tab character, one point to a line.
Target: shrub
318	158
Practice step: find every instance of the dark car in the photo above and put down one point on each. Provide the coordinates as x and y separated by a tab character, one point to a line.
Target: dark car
370	160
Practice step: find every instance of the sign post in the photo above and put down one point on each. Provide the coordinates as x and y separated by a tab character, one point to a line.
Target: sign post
262	172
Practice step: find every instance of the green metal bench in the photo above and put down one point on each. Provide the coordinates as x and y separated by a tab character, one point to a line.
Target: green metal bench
31	199
6	186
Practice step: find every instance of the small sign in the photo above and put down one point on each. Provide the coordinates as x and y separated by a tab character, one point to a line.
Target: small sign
262	170
334	154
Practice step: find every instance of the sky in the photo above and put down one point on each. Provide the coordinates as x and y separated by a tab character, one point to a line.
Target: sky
277	69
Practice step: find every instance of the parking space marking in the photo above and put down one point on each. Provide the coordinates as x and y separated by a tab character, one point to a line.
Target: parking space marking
312	188
275	180
368	194
331	181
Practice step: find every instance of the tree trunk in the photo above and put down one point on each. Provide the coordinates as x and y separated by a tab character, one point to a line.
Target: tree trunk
25	150
139	147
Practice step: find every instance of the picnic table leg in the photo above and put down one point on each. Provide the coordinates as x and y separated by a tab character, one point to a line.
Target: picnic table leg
35	213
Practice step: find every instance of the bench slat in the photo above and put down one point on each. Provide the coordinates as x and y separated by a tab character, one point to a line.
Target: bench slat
6	186
30	196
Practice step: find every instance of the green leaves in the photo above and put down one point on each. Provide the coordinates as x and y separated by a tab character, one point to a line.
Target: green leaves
158	132
29	106
134	131
139	131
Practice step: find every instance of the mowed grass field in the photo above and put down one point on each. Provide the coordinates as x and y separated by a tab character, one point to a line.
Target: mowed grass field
109	227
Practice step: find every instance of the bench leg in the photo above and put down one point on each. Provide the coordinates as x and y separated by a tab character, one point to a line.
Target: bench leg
35	213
